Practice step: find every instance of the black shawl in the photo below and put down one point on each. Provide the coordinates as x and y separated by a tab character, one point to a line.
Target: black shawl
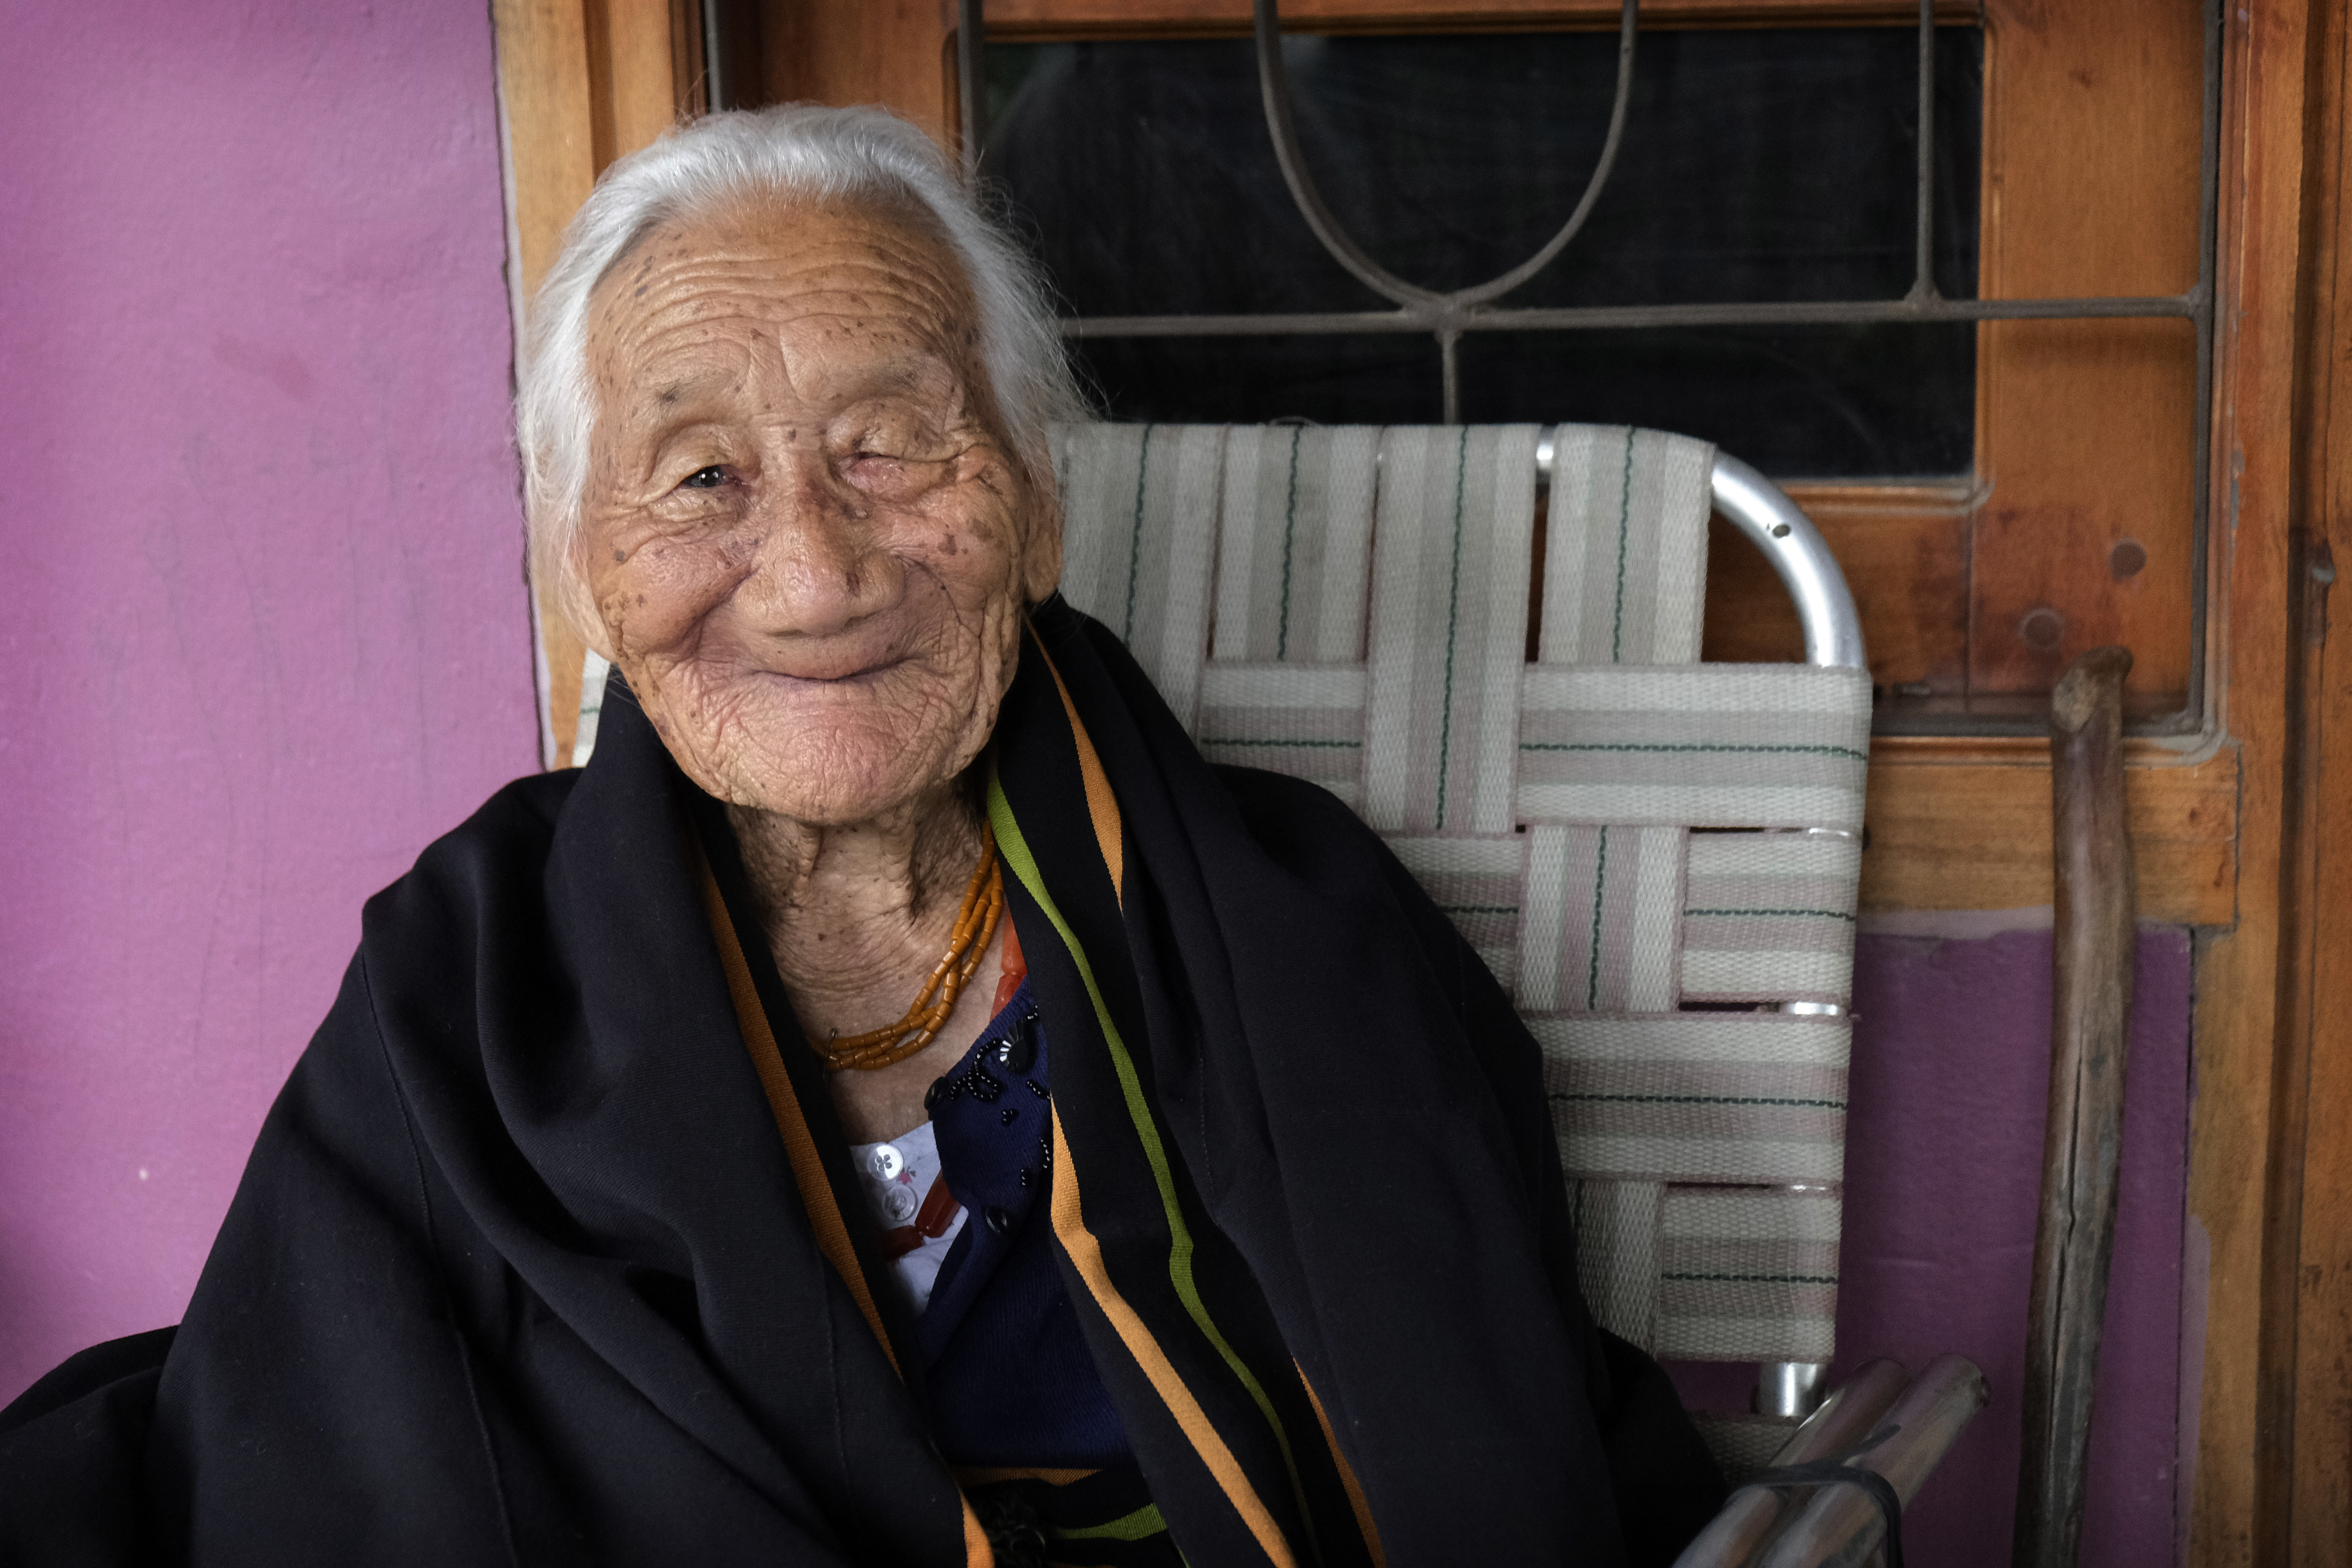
519	1273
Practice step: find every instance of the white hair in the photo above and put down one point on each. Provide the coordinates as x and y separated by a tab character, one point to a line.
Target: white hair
795	151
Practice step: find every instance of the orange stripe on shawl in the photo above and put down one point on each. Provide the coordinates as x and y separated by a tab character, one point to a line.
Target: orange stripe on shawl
808	1166
1101	805
1085	1254
1372	1532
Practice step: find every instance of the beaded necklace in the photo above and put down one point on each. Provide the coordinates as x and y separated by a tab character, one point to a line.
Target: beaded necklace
975	928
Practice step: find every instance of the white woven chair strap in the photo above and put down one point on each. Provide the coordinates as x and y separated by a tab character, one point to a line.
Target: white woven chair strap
1294	550
1477	883
1601	928
1139	539
1448	627
1762	745
1619	1228
1297	719
1738	1098
1625	546
1769	917
1748	1275
1710	1273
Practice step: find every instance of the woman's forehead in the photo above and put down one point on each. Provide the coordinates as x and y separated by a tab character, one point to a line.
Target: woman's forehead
825	289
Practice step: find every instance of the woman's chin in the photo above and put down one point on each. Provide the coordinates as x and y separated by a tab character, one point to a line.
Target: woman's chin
840	780
832	753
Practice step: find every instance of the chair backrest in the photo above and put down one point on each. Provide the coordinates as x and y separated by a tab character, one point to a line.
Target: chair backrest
1659	857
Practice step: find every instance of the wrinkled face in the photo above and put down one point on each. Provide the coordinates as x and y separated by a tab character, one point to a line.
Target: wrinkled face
807	541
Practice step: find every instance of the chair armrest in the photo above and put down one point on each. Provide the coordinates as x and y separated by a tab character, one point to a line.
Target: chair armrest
1849	1415
1841	1527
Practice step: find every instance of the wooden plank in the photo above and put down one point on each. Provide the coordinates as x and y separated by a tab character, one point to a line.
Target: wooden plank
1027	21
640	72
2085	428
543	75
1750	618
585	81
1972	832
862	51
545	79
2243	1444
690	81
2307	1348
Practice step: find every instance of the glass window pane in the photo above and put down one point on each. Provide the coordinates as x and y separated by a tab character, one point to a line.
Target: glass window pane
1756	165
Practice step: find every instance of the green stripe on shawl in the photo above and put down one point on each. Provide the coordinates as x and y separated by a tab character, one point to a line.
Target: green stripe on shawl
1013	846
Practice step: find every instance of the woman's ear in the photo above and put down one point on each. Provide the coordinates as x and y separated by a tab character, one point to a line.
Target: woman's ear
1041	552
599	644
577	606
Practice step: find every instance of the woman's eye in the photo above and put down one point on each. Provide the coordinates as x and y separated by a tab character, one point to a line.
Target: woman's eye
708	478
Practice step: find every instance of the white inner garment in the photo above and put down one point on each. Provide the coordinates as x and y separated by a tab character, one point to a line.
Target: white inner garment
896	1174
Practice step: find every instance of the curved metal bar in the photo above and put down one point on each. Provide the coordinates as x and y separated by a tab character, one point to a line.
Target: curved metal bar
1763	512
1274	87
1495	289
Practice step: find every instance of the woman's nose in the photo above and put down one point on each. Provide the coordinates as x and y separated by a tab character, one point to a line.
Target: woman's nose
819	567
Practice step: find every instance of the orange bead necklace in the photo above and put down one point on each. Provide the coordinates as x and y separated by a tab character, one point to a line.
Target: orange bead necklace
975	928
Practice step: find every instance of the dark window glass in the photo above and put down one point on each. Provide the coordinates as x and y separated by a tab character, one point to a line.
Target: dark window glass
1756	165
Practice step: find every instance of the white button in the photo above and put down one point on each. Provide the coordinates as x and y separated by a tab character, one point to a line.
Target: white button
885	1161
898	1203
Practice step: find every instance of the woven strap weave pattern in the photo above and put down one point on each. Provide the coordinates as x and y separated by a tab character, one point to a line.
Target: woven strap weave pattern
1457	515
1296	545
1624	583
1620	832
1140	562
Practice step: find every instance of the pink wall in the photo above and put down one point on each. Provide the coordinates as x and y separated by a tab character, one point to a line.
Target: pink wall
1951	1091
267	632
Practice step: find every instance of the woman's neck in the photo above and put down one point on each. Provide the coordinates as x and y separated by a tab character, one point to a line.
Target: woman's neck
858	914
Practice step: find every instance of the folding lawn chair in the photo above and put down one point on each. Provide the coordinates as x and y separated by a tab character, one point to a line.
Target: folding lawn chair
1658	858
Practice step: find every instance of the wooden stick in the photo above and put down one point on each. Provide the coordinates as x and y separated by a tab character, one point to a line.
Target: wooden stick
2091	991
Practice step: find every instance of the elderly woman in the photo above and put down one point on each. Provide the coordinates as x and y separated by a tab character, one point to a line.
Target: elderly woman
899	1104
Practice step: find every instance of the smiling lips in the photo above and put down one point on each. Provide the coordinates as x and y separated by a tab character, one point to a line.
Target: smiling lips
838	672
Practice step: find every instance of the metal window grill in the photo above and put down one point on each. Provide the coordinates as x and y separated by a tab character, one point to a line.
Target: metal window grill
1446	316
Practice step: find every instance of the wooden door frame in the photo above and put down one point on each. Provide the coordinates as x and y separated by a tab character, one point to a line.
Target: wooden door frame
2248	839
2245	1127
2303	1423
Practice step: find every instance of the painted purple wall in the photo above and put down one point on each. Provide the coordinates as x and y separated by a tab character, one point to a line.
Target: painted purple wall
1951	1072
1943	1175
269	633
